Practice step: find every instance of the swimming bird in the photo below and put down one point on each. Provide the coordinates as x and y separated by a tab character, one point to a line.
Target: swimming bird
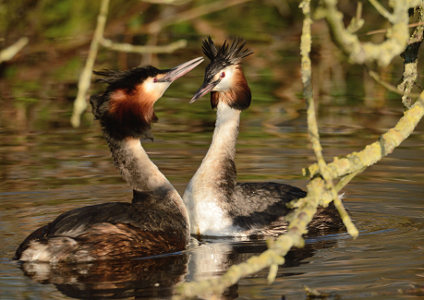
156	220
218	205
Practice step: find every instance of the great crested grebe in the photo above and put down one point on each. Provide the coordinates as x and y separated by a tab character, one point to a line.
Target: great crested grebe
156	220
218	205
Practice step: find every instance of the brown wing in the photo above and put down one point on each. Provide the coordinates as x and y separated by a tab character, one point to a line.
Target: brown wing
111	241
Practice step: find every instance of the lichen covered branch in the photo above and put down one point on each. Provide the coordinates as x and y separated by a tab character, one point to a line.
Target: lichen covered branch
365	52
410	56
372	153
305	47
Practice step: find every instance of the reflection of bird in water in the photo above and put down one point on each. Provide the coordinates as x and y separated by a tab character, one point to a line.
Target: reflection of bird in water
218	205
214	256
156	220
114	279
155	277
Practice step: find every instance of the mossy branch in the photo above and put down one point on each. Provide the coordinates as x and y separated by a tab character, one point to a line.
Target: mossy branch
413	3
365	52
305	47
410	56
372	153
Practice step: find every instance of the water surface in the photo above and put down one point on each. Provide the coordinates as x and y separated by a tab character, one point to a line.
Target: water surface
47	167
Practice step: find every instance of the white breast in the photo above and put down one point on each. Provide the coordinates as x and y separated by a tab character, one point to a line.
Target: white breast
206	215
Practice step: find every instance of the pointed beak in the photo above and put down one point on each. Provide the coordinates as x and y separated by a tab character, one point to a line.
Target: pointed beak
204	89
181	70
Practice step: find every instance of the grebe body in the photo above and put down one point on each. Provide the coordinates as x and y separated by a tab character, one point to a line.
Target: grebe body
156	221
219	205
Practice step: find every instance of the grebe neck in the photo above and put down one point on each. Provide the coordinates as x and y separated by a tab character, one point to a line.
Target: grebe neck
223	145
141	173
209	192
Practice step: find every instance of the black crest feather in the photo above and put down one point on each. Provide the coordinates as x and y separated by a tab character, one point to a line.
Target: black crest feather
228	54
125	79
209	48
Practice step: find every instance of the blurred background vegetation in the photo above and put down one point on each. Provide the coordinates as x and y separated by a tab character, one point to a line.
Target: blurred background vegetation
60	33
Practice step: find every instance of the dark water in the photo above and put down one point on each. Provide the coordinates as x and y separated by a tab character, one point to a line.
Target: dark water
47	167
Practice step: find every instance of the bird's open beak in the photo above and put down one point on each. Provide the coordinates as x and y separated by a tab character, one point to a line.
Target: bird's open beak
204	89
181	70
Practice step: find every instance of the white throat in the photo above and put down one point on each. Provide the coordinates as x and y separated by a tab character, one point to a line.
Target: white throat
203	196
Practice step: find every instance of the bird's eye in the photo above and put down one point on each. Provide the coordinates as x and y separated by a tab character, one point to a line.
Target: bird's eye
222	75
155	79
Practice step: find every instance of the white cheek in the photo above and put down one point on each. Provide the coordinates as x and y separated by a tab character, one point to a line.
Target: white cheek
155	88
226	82
223	85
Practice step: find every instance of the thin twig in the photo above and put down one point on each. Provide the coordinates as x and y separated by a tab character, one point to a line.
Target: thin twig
388	86
357	22
11	51
167	2
381	10
192	13
129	48
385	30
80	103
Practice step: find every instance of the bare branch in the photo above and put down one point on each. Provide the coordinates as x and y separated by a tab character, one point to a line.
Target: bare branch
167	2
192	13
388	86
11	51
80	103
381	10
129	48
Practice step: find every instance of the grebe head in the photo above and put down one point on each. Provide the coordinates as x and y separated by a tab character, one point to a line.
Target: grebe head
125	109
224	74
